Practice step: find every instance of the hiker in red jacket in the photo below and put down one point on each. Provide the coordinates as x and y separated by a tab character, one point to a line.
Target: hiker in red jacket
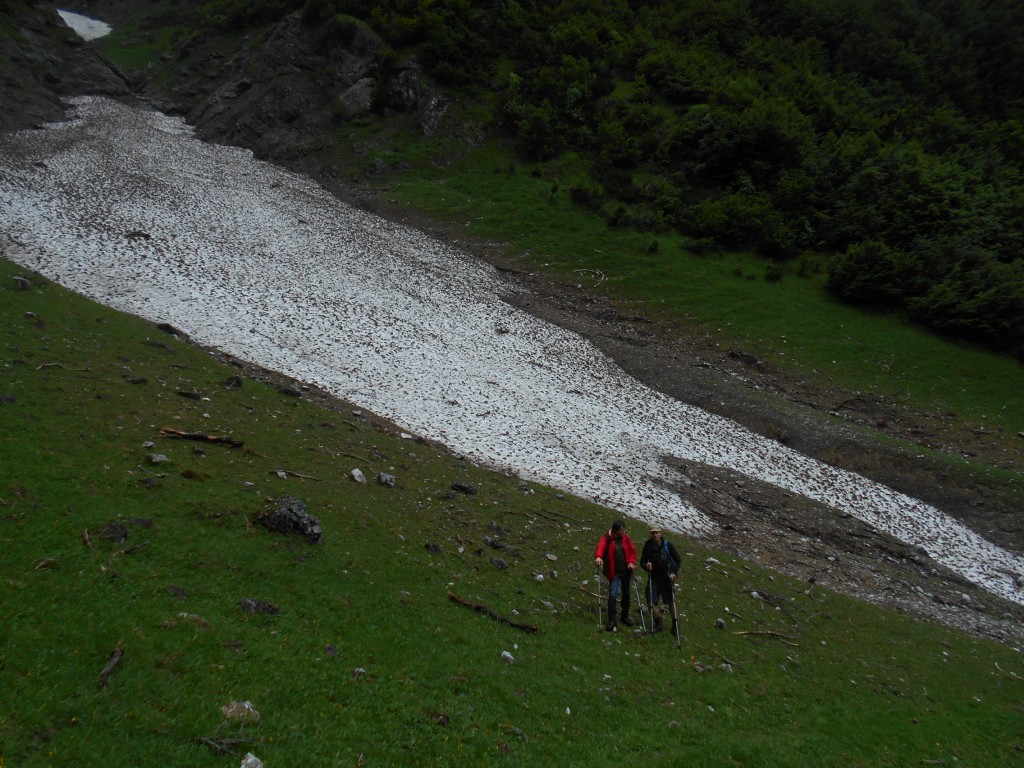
615	551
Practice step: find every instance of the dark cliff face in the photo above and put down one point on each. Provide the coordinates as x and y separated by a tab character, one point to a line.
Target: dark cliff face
278	90
274	91
43	61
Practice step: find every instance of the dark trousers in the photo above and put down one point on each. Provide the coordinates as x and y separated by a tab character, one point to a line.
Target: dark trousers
620	584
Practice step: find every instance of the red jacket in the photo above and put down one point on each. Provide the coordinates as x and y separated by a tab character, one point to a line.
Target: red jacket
606	551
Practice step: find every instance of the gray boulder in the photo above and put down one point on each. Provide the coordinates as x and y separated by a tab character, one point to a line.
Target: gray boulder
289	515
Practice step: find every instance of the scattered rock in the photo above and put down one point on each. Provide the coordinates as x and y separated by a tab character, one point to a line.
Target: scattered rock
157	458
170	329
114	532
508	658
432	548
466	488
358	476
251	607
21	283
240	712
388	481
438	717
498	563
289	515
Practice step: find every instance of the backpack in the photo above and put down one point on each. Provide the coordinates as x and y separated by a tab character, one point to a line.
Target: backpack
667	556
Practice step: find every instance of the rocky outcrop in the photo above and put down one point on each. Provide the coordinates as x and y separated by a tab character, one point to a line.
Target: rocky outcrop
42	61
281	92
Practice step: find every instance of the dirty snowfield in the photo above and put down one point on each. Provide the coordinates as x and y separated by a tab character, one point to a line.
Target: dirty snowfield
128	208
87	28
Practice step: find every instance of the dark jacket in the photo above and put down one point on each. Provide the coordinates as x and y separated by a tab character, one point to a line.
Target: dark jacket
606	551
654	553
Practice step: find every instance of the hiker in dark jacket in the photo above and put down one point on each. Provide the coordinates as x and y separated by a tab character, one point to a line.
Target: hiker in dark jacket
616	553
661	561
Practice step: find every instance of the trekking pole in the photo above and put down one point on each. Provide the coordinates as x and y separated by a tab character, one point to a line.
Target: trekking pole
639	605
650	599
675	615
600	610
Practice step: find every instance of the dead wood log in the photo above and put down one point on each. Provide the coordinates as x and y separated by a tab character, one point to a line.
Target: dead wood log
768	633
562	515
168	432
293	474
115	658
719	655
492	613
222	746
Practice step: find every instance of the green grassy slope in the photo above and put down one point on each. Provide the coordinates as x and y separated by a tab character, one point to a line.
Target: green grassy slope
368	662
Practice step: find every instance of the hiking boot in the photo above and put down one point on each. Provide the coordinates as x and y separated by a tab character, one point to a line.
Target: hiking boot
657	625
628	620
611	626
675	627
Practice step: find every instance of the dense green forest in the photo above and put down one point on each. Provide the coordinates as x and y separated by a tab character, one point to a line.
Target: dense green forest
882	141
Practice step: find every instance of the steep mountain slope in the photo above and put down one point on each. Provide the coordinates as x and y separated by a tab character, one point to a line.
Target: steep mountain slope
42	60
267	98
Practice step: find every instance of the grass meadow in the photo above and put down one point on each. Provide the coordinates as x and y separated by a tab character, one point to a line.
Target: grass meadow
360	657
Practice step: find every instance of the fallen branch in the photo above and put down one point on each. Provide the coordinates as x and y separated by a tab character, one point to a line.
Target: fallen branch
492	613
168	432
115	658
719	655
293	474
561	514
222	746
1007	672
768	633
355	456
541	514
592	594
